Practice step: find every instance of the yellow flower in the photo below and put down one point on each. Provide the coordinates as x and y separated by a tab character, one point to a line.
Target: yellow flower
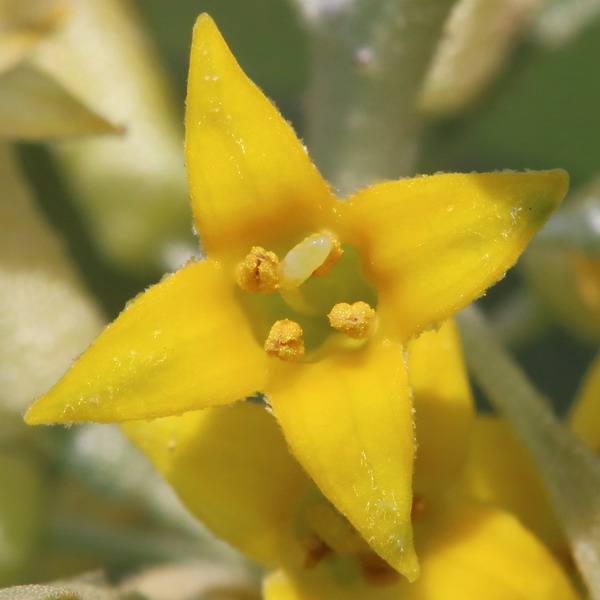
278	307
231	468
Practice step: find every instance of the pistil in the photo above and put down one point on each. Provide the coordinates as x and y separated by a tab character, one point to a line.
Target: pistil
315	254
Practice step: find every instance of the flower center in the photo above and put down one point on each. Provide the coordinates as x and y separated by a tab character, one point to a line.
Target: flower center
317	281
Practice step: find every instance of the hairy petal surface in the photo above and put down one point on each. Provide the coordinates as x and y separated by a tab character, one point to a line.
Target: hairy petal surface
348	421
443	407
431	245
184	344
248	173
231	468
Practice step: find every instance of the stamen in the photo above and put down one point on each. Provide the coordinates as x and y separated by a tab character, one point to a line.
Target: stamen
352	319
334	255
258	271
334	530
285	341
304	259
418	506
316	550
376	571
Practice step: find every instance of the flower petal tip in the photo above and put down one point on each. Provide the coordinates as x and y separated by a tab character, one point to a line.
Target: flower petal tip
41	413
411	569
205	21
557	181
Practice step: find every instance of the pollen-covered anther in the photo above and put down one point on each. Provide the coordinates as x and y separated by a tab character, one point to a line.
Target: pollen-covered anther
285	341
354	320
334	255
258	271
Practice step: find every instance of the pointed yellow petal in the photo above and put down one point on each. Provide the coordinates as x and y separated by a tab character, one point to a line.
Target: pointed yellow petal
247	170
585	415
501	472
348	421
231	468
184	344
433	244
443	407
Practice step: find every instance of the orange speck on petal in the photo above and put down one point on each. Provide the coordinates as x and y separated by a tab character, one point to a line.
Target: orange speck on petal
352	319
285	341
258	271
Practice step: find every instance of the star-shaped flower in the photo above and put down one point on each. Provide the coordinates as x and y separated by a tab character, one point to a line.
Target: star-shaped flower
304	298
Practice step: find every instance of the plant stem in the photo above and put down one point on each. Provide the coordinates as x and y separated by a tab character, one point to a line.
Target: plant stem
570	471
369	58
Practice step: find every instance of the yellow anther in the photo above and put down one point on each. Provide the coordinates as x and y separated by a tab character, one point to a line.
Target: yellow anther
285	341
334	255
334	530
352	319
258	271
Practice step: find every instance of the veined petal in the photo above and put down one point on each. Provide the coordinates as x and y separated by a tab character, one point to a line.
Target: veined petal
231	468
248	172
433	244
443	407
467	550
348	421
184	344
584	420
500	471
